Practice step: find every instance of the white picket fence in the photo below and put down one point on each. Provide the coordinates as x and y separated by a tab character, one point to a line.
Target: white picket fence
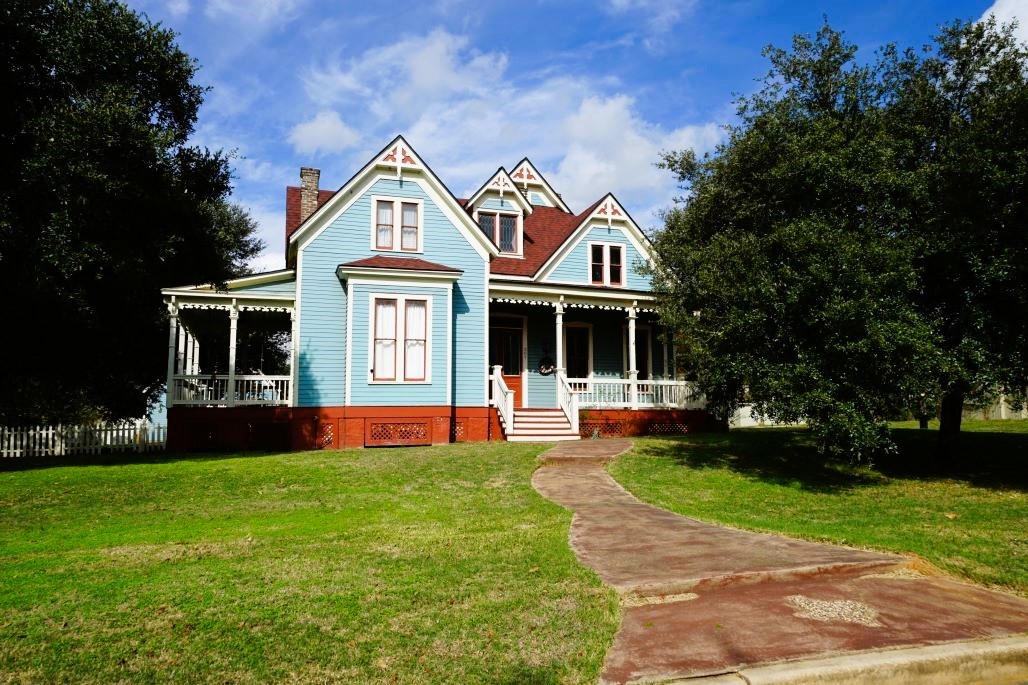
54	441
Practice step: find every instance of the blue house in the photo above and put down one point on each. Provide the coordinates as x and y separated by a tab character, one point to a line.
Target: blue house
408	316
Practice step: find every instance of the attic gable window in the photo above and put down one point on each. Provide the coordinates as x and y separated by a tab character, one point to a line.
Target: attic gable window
396	224
502	229
606	264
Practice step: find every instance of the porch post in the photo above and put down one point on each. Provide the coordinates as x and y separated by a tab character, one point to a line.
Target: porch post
292	358
663	352
190	344
233	321
180	357
196	356
169	398
633	373
559	309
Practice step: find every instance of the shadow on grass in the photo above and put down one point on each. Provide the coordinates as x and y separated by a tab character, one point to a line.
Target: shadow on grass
124	459
788	456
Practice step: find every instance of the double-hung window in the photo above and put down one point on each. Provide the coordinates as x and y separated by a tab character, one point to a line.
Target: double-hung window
397	225
401	342
606	264
502	229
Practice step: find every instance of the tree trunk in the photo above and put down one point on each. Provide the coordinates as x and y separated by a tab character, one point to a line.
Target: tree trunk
949	421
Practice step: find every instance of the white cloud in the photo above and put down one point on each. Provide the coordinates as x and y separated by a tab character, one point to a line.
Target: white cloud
1008	10
660	15
466	116
178	8
253	11
326	132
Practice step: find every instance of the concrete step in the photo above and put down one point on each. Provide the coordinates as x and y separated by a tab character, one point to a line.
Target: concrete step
541	437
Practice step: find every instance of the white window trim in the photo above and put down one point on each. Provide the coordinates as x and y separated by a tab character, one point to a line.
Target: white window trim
519	229
606	264
398	203
401	322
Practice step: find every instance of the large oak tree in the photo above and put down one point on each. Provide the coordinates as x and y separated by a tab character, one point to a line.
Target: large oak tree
857	247
103	200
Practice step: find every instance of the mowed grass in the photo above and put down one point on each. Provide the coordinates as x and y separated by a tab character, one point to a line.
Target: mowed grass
967	516
406	565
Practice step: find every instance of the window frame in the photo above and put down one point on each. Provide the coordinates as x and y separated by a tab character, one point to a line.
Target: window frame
400	345
519	231
607	264
397	235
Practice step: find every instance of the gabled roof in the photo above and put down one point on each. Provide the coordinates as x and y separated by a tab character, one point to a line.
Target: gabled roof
546	229
399	157
527	175
502	183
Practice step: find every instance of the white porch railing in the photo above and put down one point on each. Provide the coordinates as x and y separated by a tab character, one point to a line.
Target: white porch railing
212	390
56	441
567	400
616	393
502	397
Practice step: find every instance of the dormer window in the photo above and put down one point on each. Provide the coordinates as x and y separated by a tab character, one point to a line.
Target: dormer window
502	229
396	225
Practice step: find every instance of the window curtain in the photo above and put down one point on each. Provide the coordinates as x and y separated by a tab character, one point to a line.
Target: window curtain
414	354
385	339
409	230
384	221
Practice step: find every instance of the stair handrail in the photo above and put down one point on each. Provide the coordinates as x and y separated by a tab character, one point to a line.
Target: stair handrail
502	398
567	400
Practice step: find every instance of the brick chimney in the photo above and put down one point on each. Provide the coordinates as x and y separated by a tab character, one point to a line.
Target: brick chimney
308	191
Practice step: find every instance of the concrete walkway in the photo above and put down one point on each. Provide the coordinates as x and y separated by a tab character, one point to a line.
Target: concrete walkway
720	605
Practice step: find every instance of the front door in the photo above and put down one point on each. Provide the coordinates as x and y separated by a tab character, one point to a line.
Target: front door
506	350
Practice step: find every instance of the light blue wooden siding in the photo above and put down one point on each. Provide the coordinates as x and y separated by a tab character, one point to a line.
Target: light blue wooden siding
323	302
574	268
364	393
495	202
279	288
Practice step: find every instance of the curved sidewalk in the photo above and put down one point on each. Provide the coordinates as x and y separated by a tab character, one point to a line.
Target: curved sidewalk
731	606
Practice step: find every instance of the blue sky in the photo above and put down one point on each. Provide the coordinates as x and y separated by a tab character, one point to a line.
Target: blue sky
591	92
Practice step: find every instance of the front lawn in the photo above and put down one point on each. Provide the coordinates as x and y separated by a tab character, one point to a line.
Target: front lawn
391	565
967	516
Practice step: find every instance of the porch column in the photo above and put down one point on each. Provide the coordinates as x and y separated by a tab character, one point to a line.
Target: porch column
293	375
190	349
559	309
633	373
172	334
196	356
663	351
233	321
180	357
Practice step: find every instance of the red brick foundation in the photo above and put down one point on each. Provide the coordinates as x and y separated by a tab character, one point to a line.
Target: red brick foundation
306	428
608	423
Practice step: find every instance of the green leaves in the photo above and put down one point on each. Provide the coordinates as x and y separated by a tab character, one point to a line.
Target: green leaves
848	245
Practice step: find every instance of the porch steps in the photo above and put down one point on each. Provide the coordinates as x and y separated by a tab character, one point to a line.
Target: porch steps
540	425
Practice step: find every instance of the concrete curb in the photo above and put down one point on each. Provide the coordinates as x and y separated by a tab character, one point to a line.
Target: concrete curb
995	661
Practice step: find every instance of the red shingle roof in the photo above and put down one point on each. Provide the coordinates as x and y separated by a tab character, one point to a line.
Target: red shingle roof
409	263
546	229
293	208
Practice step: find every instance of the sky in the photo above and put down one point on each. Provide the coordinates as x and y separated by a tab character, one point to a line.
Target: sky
591	92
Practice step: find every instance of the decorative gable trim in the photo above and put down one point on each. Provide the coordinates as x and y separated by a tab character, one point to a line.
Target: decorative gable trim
502	183
610	213
398	158
527	176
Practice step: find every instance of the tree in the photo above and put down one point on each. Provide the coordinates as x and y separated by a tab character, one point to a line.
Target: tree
959	115
852	247
102	202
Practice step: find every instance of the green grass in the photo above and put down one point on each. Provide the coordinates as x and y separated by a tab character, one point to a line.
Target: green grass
968	516
391	565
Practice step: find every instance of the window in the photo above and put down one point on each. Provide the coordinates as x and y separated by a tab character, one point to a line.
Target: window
606	264
502	229
401	346
397	225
